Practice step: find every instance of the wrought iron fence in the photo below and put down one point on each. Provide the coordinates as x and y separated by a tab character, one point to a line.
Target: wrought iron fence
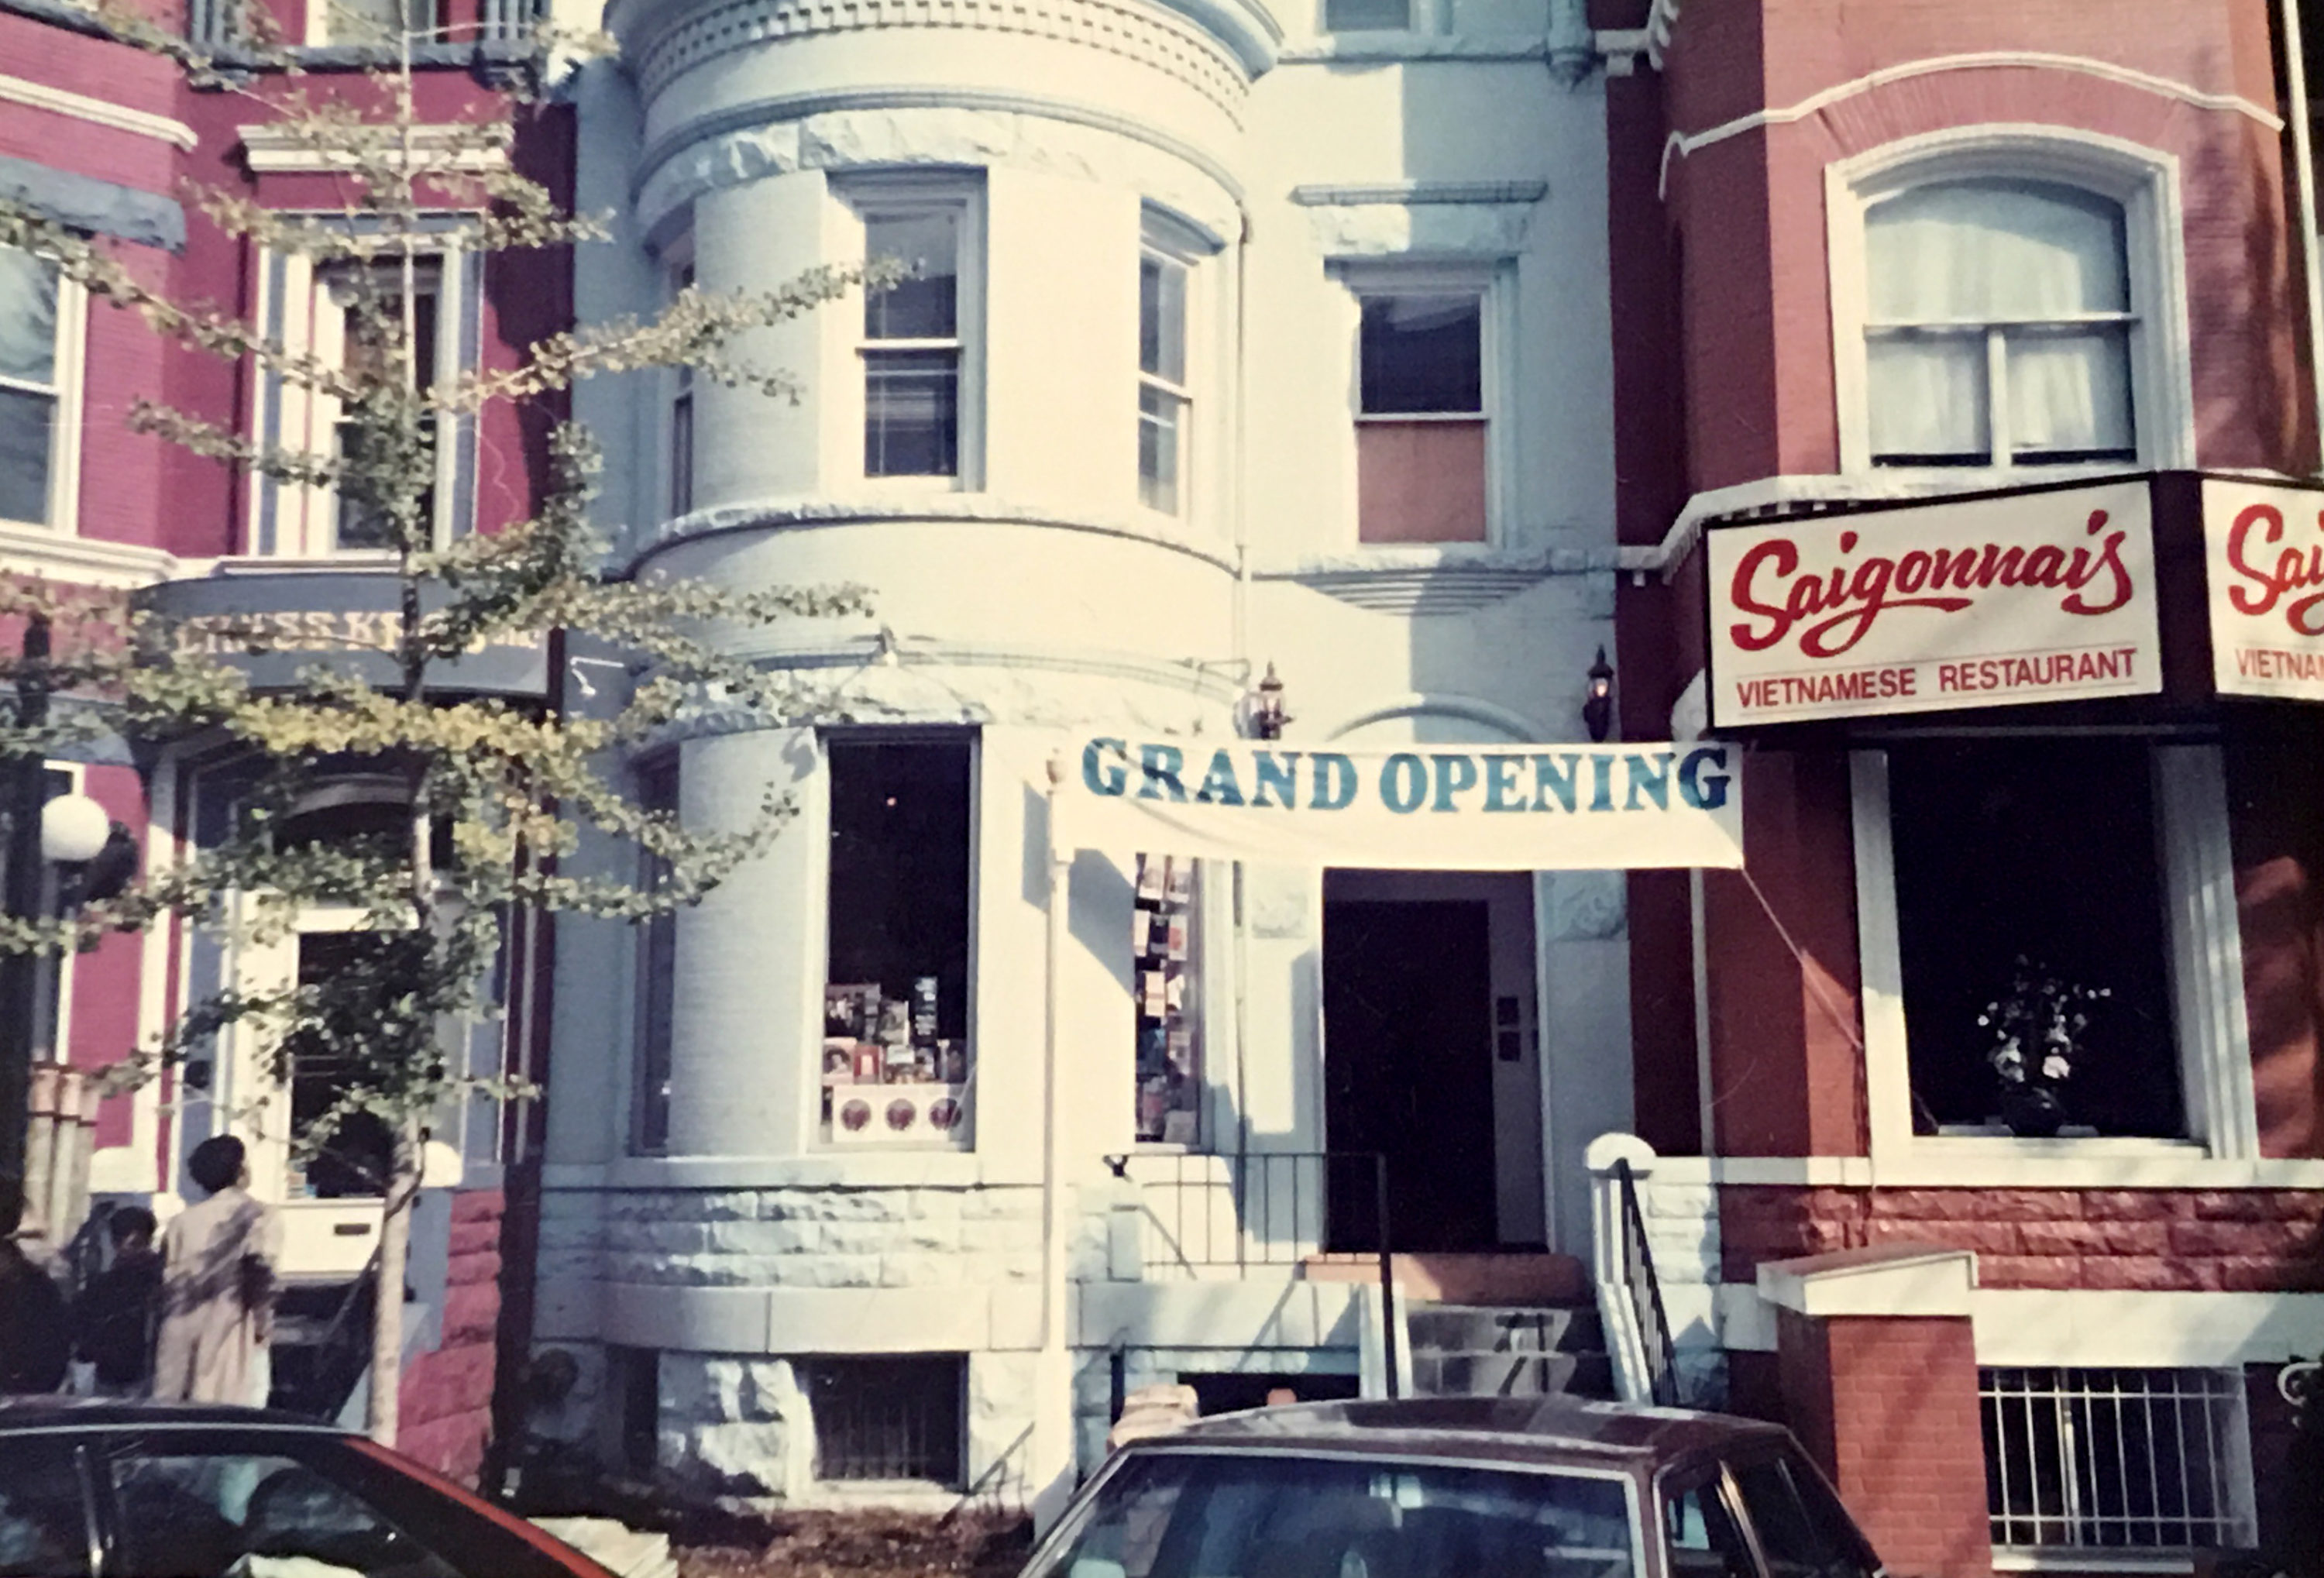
1643	1292
1233	1215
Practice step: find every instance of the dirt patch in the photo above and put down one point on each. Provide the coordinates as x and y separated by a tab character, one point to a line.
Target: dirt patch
853	1544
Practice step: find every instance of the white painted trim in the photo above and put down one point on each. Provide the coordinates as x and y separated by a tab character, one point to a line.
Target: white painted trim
2146	183
2206	943
2093	1327
97	112
68	360
2113	1559
93	561
1681	145
2002	1163
1887	1085
274	149
1890	1280
1520	729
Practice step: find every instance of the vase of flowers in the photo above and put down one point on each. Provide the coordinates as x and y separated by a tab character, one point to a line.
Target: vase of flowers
2039	1030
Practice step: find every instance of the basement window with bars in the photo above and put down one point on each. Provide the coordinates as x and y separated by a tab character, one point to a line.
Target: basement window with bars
889	1417
2130	1460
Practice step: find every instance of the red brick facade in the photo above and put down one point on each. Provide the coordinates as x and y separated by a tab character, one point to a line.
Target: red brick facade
1887	1406
2156	1240
448	1395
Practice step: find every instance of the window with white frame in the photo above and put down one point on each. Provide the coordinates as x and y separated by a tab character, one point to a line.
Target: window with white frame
1422	417
679	460
1165	399
2007	300
2040	949
2116	1460
373	23
916	348
352	315
1998	329
40	356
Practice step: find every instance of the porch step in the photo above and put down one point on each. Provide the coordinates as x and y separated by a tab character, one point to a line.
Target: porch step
1471	1351
1531	1281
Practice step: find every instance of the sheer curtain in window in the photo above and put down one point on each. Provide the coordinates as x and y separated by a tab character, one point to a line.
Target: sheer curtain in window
28	391
1998	325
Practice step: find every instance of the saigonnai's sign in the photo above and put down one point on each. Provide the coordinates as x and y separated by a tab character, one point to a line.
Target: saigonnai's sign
2264	553
1530	807
1984	603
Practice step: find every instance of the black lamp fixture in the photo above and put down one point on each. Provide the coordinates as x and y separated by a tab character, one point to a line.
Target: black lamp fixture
1266	708
1597	702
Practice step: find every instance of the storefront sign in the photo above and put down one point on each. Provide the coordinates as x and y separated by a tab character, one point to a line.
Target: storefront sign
1498	808
1989	602
2264	551
272	625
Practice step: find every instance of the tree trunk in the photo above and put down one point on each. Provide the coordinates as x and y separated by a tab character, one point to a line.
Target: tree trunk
384	1419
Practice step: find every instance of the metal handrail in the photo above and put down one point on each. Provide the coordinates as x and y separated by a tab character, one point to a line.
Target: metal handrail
1268	1209
1645	1292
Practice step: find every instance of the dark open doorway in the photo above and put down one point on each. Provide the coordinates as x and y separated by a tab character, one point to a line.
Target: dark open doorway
1408	1069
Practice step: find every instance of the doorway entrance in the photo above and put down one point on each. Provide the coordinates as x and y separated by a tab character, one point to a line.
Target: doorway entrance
1430	1060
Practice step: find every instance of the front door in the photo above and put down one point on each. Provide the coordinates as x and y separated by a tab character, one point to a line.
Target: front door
1408	1070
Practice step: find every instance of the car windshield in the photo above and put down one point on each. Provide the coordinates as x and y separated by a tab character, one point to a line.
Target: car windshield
1249	1515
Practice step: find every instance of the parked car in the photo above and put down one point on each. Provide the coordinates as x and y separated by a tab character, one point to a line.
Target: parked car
1514	1487
118	1490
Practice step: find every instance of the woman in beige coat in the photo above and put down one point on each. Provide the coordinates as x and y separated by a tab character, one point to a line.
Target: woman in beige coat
218	1286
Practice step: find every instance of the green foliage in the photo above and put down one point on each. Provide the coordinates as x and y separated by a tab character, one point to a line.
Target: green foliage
493	798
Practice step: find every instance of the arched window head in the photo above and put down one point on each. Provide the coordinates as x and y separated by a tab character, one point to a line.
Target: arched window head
1998	325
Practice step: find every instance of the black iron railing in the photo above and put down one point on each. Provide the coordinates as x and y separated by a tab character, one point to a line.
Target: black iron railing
1645	1293
1275	1209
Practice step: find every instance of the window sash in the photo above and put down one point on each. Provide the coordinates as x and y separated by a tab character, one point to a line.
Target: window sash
338	301
2006	423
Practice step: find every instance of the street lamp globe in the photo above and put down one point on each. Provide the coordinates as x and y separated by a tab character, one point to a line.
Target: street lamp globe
73	830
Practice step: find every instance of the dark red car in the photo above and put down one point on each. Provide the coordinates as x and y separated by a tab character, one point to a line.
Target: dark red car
112	1490
1515	1488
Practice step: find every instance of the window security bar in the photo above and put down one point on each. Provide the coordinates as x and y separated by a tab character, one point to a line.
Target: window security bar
2115	1459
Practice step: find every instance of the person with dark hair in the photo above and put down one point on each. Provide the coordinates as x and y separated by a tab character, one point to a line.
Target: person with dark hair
113	1318
217	1286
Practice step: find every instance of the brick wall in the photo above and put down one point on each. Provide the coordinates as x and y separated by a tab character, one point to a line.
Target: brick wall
2244	1241
448	1395
1888	1408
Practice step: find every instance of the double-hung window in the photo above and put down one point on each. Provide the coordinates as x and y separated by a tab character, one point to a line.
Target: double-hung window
681	413
1164	405
1422	425
913	346
38	324
364	320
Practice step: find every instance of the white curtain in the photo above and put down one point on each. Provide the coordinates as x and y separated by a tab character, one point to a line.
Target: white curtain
28	318
1985	253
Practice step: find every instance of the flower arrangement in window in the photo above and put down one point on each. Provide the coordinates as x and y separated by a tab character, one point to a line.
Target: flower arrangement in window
2039	1028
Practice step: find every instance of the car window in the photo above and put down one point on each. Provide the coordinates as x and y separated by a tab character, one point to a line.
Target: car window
44	1515
253	1515
1796	1533
1247	1515
1700	1536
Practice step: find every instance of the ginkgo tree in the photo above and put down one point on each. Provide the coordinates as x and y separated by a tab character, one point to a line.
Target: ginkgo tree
496	795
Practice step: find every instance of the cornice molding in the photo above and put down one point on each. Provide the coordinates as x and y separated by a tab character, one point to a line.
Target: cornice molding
97	112
87	561
1420	582
1682	144
939	509
1213	46
1521	192
277	149
773	136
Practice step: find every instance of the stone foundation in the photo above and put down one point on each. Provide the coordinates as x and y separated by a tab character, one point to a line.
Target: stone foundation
447	1395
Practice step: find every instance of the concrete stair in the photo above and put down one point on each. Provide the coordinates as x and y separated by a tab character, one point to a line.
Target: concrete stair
1502	1350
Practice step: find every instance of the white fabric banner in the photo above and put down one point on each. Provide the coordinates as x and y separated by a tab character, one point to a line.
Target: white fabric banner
1447	808
2266	549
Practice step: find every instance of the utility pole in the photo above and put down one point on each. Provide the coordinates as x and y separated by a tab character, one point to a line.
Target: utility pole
23	791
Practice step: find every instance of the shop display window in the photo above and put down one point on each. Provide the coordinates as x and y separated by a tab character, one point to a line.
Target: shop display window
2022	866
1166	974
898	1062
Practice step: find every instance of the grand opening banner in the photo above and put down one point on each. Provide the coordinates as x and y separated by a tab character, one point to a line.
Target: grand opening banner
1991	602
1496	808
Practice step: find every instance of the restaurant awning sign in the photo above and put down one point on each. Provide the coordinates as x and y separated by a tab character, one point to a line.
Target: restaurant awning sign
1988	602
1469	808
2264	564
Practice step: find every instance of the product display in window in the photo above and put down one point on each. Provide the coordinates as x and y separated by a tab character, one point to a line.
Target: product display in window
871	1040
1164	947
